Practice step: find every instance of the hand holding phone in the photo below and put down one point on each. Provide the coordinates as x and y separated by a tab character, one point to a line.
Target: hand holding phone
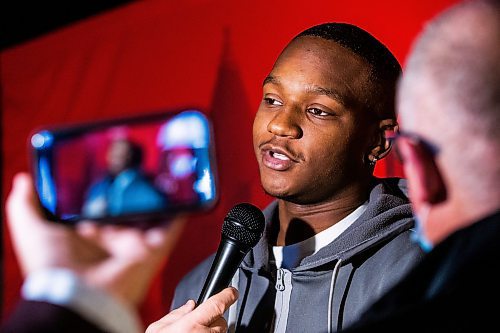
122	260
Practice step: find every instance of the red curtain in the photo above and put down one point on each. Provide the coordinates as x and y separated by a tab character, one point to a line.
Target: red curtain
158	55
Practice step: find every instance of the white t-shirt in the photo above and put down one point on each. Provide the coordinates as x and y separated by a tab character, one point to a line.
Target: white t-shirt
291	255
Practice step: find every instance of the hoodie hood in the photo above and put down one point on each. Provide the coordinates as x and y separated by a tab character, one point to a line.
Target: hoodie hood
388	213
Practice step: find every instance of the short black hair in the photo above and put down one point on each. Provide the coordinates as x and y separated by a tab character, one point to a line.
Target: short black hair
136	154
385	68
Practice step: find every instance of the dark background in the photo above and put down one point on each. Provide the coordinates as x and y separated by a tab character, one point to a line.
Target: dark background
21	21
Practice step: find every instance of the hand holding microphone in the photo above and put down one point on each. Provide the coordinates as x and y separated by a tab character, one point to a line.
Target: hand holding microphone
206	318
243	227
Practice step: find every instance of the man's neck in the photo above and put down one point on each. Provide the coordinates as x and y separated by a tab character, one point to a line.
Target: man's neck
454	214
298	222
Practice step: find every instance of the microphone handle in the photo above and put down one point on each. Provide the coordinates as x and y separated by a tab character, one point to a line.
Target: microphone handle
227	260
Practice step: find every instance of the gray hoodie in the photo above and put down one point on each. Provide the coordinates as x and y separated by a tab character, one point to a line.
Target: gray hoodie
330	289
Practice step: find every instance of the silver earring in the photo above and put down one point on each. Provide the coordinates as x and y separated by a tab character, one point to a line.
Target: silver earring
373	161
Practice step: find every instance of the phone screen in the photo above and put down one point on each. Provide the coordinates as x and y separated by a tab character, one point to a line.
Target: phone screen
128	169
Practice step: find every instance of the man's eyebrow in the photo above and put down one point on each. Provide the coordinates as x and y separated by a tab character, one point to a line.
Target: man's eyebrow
317	90
330	93
270	79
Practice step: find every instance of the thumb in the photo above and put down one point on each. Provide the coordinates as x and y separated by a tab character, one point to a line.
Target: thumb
22	207
213	308
27	226
164	238
23	213
178	313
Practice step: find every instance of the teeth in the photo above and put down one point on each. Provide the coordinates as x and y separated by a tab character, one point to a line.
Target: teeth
280	156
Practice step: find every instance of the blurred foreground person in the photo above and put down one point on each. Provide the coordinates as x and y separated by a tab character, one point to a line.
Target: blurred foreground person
449	102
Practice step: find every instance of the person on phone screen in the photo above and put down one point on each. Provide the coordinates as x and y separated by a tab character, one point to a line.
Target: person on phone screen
124	189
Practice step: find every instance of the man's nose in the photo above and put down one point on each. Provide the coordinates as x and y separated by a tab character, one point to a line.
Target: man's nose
286	123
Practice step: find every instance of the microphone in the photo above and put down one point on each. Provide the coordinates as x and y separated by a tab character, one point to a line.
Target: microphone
242	229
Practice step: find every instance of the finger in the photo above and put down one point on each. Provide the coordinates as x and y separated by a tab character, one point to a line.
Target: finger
87	229
123	242
157	242
164	238
131	263
22	208
23	218
214	307
29	229
178	313
219	326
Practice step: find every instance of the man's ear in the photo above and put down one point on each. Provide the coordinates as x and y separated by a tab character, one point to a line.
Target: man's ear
425	183
382	145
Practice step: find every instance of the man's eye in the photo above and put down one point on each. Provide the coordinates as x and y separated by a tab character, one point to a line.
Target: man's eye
318	112
272	101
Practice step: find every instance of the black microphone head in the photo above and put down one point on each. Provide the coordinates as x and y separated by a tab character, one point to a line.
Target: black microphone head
245	224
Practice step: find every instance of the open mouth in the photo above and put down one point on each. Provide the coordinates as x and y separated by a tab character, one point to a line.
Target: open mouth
277	159
279	156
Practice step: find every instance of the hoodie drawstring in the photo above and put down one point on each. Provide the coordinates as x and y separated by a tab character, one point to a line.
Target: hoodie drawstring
232	315
335	273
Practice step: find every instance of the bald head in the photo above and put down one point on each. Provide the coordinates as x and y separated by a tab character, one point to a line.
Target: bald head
450	95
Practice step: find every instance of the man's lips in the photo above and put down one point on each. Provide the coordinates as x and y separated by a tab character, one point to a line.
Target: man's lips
277	158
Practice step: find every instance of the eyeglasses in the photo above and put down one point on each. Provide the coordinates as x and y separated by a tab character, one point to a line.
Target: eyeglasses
416	139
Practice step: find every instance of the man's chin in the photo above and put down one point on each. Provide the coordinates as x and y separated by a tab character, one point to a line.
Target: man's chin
278	187
289	197
282	195
277	194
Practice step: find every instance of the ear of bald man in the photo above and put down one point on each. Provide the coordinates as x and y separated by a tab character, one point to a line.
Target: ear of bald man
427	185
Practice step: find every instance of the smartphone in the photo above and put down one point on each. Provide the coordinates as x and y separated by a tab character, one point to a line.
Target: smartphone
137	170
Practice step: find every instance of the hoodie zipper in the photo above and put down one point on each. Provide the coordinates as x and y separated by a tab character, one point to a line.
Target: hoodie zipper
280	280
282	302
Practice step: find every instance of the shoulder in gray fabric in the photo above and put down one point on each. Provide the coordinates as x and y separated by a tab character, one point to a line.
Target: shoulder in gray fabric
388	214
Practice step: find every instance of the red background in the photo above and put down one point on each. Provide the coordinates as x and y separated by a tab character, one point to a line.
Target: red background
158	55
